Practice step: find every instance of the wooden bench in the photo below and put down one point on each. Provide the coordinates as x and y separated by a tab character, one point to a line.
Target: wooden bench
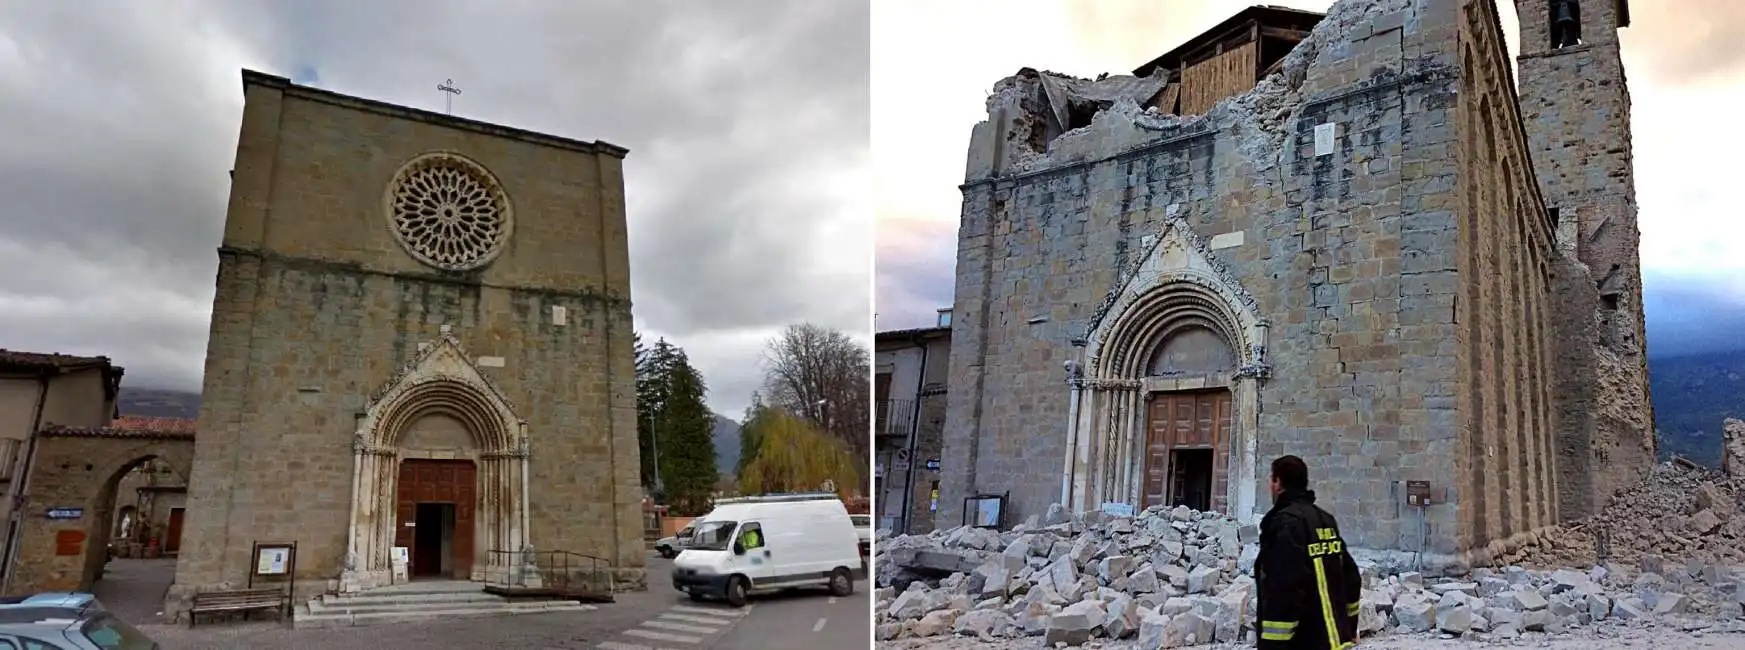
239	600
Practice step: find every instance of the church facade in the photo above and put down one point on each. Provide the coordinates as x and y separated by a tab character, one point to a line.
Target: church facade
1345	237
420	340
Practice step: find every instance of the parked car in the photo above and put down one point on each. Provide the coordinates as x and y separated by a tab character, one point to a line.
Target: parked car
768	544
863	526
671	547
72	621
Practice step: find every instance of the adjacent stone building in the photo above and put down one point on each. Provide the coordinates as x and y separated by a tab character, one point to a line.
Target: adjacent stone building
1341	237
421	339
41	391
909	375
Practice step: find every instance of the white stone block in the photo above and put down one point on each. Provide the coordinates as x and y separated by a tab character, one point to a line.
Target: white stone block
491	362
1227	240
560	315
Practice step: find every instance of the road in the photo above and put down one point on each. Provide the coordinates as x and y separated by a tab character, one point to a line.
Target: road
804	620
657	619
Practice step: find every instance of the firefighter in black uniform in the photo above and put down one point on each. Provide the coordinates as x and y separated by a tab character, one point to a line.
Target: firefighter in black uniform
1308	584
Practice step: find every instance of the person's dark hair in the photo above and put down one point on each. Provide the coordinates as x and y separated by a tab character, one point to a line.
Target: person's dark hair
1292	473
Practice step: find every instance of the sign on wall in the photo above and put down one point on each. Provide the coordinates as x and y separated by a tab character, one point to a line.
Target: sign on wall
273	561
65	513
933	464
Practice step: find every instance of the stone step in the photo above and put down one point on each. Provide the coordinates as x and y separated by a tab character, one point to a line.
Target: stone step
330	617
380	598
318	607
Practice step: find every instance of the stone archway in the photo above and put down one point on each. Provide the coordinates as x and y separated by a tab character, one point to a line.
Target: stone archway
441	384
80	469
1176	293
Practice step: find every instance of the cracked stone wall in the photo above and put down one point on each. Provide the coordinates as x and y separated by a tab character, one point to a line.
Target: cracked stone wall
317	307
1575	104
1379	264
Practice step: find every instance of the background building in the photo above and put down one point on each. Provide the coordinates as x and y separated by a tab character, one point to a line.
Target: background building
910	368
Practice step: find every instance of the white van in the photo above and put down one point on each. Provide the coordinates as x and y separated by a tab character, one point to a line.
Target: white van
761	544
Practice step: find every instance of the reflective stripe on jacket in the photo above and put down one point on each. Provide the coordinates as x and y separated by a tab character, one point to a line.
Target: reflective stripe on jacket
1308	585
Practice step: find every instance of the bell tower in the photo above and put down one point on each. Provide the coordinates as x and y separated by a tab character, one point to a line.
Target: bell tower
1575	106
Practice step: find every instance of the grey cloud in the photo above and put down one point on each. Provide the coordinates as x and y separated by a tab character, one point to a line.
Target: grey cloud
120	125
916	262
1685	41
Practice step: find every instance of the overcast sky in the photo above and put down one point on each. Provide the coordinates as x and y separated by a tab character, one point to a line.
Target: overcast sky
1687	80
747	124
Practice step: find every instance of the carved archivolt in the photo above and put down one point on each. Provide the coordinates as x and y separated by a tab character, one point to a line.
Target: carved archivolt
1177	284
448	211
442	378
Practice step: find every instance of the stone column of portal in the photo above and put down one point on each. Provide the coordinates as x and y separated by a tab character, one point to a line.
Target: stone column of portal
521	502
349	579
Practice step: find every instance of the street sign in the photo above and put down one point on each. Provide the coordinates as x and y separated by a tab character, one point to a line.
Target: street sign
65	513
933	464
900	460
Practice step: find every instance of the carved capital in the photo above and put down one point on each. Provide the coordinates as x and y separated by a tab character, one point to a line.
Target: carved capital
1114	384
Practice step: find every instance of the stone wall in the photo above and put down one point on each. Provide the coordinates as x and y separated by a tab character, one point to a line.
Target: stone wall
1575	105
1386	300
78	468
318	307
1507	260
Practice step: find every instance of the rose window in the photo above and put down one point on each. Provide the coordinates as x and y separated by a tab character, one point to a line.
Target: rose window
449	212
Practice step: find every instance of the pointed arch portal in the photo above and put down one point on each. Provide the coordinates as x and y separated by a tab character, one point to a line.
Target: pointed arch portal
439	431
1167	408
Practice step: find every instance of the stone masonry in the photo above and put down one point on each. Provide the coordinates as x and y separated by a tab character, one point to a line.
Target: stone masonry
1575	106
334	352
1364	237
82	467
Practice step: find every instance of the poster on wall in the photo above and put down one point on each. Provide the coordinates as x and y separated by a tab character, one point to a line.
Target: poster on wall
273	561
933	504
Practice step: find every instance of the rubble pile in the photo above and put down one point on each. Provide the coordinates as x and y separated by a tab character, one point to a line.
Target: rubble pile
1177	577
1682	513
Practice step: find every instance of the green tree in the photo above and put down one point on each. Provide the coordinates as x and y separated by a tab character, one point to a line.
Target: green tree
749	441
794	456
675	428
824	376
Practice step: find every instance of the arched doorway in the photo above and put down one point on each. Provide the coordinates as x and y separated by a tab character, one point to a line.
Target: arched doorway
1167	408
440	462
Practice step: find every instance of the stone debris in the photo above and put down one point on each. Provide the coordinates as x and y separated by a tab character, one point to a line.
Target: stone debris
1170	578
1733	447
1687	515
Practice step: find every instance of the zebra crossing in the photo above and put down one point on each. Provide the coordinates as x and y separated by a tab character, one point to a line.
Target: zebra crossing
681	626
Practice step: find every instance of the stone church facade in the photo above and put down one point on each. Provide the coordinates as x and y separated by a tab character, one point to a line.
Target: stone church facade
1344	237
421	338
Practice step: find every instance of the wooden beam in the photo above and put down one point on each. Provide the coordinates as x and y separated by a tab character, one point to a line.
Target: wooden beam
1254	35
1293	35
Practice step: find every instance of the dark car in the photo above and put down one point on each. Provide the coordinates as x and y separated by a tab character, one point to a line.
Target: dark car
66	621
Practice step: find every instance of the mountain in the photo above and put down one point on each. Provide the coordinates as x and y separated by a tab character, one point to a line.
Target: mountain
1692	395
157	403
726	444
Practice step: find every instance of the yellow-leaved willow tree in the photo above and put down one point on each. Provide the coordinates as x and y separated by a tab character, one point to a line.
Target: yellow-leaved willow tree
793	456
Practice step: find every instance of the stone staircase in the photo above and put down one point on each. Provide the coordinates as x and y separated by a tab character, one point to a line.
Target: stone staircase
418	601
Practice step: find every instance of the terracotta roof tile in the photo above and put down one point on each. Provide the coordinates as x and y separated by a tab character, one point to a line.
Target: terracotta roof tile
131	426
34	360
148	423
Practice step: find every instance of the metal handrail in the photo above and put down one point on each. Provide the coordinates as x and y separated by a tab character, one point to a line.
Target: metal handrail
557	570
